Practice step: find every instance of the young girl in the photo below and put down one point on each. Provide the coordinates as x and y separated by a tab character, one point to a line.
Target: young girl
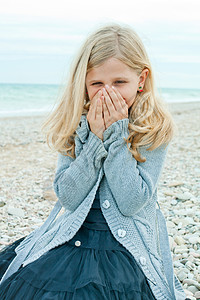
111	131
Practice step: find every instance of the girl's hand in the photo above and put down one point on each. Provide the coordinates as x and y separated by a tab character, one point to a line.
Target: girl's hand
114	106
94	115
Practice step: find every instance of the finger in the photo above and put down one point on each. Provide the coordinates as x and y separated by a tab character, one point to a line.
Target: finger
92	109
96	96
99	108
105	110
109	103
117	99
113	96
122	101
120	98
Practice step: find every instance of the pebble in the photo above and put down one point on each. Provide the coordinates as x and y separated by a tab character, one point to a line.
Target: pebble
49	195
190	265
27	197
179	240
169	193
174	202
183	222
15	211
175	183
197	295
189	295
181	275
170	224
194	239
184	196
190	276
192	282
192	289
2	203
181	249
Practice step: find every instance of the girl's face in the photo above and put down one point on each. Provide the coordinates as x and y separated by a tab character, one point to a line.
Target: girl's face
115	73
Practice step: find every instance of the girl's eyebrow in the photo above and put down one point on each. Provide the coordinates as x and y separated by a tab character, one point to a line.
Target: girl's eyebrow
114	79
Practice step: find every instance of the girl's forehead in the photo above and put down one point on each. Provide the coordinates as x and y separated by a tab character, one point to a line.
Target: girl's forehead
112	68
111	62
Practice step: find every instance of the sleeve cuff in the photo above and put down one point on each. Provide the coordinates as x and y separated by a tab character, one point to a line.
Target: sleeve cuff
95	149
118	129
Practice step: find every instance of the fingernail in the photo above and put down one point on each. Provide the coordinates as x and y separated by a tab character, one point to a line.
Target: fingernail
107	86
113	87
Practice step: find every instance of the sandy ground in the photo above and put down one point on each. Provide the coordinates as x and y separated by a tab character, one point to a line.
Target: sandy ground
27	197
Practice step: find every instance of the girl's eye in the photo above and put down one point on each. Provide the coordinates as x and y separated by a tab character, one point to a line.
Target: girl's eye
120	81
117	82
95	83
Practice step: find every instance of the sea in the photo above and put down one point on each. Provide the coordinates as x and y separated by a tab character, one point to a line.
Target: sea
39	99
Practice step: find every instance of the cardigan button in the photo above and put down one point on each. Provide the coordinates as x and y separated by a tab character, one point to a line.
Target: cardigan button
77	243
143	260
106	204
121	232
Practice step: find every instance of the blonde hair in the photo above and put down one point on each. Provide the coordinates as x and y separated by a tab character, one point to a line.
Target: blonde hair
149	119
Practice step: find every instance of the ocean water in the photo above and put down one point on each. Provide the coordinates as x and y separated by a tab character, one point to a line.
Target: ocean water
39	99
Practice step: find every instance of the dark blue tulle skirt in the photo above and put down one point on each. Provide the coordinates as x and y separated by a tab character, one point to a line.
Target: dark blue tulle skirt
92	265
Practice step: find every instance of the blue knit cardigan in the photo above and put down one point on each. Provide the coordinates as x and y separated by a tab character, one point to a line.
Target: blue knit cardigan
128	198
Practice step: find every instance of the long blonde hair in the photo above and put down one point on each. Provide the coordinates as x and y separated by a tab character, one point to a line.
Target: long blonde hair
150	122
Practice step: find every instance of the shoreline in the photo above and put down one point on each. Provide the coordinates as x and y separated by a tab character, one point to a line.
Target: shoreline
173	107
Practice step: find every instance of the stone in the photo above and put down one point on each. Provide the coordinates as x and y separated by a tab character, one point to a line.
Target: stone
181	249
194	239
197	295
177	257
175	183
2	203
179	240
190	265
178	264
2	242
50	195
170	224
171	243
185	255
191	258
192	282
188	293
184	196
174	202
169	193
190	276
192	289
15	211
181	275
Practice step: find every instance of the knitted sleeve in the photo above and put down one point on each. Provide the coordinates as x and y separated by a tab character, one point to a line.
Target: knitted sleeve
75	178
132	183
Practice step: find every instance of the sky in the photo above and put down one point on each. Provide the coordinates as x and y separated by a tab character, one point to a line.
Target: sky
38	39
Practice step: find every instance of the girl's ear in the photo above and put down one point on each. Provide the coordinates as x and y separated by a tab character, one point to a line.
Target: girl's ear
143	77
144	74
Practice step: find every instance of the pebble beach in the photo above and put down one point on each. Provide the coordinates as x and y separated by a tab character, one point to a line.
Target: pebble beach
27	196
